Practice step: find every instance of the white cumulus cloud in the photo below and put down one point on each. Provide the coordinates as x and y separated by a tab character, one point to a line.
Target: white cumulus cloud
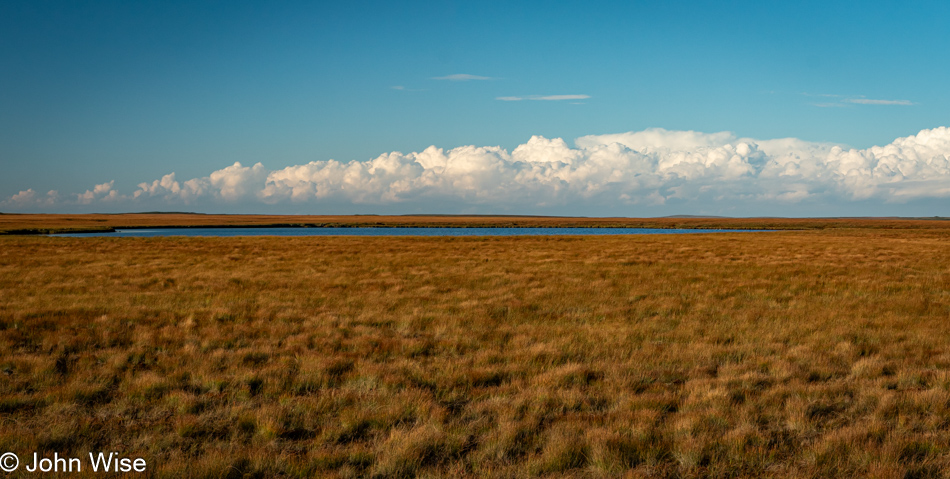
599	173
101	192
29	198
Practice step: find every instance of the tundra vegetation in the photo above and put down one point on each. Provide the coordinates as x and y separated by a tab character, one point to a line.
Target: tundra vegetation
813	353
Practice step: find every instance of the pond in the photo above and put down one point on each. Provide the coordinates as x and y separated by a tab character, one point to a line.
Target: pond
387	231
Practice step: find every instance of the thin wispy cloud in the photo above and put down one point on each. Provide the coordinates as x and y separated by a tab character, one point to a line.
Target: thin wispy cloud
462	77
403	88
543	97
846	100
562	97
869	101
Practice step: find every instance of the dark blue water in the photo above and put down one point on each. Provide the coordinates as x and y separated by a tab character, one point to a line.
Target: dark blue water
151	232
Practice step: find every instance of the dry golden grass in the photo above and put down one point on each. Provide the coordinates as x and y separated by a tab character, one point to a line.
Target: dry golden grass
784	354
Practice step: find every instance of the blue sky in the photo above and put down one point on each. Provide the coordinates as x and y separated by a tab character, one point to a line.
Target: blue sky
128	92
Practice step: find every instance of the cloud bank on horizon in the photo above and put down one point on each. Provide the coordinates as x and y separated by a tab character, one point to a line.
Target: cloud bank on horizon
628	173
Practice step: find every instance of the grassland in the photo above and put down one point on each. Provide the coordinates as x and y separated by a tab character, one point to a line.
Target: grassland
818	353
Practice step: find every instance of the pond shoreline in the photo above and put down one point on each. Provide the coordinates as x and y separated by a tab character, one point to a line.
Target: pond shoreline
388	231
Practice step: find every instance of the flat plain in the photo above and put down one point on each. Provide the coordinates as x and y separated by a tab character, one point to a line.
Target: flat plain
821	351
